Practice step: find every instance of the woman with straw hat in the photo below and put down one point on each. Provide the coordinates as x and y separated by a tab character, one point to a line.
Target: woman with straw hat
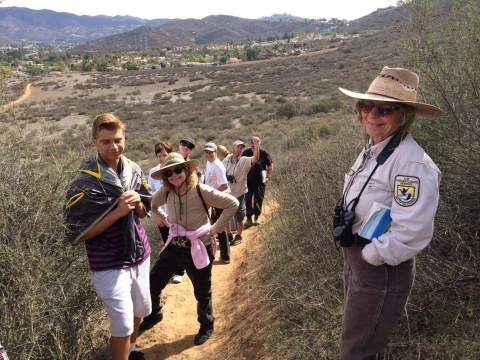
393	172
190	241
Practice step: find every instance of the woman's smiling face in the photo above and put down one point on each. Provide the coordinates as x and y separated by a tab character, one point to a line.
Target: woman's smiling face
178	179
381	119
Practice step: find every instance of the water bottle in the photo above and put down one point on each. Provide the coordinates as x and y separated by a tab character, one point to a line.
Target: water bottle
3	353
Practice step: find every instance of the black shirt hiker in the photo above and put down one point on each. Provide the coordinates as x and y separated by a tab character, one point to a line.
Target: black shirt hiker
256	186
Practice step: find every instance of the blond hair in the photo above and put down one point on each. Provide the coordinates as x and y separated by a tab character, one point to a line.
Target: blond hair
106	121
222	151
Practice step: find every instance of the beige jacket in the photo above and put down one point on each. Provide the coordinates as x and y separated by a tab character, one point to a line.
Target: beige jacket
189	211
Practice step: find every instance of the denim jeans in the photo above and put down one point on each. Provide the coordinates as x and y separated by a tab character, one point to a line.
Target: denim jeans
375	297
167	263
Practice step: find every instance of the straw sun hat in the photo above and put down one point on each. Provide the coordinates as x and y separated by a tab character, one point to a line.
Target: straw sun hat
397	85
173	159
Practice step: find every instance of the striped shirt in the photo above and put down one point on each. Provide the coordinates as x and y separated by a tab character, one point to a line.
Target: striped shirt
105	251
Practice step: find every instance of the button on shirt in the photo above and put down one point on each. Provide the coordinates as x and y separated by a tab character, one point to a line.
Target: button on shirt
412	222
239	169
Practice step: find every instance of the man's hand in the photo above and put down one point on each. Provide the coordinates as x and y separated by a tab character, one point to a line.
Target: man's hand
256	141
127	202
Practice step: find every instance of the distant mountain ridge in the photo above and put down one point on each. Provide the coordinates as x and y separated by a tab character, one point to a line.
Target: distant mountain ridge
108	34
215	29
18	23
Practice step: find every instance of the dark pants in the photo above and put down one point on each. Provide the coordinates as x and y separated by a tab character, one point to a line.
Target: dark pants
375	297
167	263
164	231
222	236
254	198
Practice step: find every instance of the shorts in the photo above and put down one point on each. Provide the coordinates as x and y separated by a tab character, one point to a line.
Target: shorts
241	211
125	293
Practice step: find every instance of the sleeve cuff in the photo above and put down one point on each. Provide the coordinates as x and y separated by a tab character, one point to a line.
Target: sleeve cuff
371	255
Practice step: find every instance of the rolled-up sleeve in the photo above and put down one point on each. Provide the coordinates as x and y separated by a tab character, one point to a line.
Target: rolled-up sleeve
220	200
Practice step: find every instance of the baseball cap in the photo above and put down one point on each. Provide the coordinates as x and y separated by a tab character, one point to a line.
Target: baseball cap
189	140
239	142
210	147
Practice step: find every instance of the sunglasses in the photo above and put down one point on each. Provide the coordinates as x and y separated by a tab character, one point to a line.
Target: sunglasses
177	170
382	110
188	145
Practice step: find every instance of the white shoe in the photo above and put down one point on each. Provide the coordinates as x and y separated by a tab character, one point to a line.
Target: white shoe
177	279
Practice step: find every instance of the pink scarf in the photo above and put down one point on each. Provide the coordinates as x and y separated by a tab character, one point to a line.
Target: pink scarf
198	250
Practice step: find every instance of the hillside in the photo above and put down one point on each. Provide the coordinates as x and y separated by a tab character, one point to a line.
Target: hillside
19	24
215	29
285	300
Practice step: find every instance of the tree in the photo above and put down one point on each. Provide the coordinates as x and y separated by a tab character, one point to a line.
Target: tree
442	42
252	53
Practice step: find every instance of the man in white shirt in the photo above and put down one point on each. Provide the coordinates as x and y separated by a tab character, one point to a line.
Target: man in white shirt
237	167
215	176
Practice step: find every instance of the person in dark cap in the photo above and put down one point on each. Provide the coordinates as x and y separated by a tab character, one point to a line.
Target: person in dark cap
187	143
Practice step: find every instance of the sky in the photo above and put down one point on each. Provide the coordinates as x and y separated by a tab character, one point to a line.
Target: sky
197	9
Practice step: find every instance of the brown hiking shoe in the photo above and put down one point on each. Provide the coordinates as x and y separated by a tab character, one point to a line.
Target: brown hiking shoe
248	223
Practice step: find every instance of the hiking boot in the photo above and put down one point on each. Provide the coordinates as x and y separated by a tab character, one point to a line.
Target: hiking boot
150	321
230	237
136	355
203	335
225	261
237	240
256	222
248	223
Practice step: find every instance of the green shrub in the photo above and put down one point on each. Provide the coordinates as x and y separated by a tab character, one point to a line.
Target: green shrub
49	309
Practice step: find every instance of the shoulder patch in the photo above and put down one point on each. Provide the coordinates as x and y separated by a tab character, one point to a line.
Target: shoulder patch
407	189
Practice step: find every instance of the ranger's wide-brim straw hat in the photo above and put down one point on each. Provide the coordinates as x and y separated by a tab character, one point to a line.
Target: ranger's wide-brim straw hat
173	159
397	85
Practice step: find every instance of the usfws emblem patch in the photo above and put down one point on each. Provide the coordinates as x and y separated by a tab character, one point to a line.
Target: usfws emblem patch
407	189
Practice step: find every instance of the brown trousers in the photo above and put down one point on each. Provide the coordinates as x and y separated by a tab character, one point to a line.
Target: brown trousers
375	297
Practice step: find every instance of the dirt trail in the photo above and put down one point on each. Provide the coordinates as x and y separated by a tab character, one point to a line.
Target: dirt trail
173	337
26	94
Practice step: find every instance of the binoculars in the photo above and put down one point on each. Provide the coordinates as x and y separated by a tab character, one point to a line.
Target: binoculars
182	241
342	226
231	179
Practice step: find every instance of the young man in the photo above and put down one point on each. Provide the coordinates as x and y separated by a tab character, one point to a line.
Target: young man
238	167
103	207
215	176
256	185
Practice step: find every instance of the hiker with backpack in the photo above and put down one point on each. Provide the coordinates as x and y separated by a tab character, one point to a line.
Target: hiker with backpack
191	241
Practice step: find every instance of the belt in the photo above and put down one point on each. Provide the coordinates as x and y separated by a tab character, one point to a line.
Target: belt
360	241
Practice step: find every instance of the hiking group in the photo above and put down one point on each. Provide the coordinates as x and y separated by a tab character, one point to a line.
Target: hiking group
110	194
